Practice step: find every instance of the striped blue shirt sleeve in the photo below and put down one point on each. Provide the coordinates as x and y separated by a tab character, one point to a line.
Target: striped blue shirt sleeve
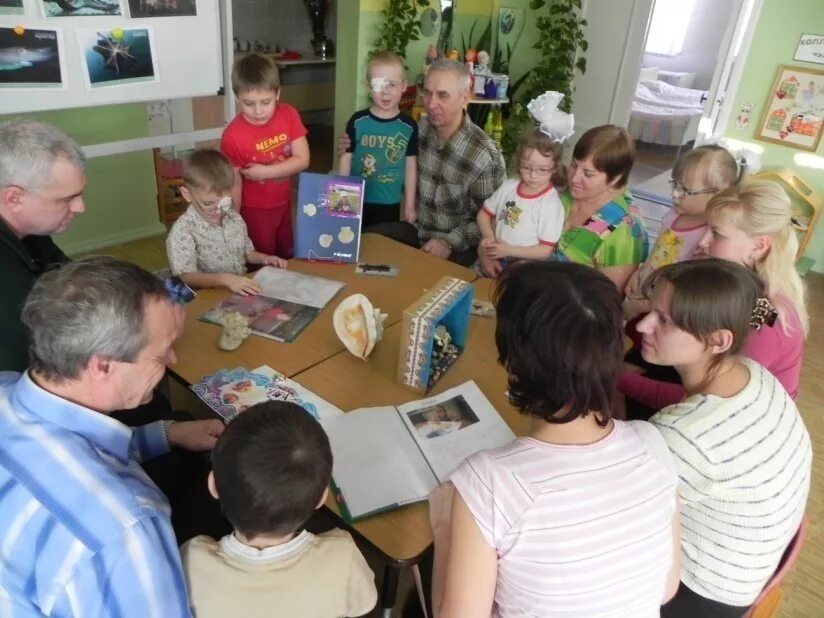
139	574
148	441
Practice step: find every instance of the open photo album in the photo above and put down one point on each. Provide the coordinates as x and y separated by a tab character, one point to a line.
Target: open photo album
389	456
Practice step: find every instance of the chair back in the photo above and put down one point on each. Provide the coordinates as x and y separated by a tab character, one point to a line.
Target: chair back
766	604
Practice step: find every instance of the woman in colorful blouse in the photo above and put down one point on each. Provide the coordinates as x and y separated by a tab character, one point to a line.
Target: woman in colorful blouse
602	227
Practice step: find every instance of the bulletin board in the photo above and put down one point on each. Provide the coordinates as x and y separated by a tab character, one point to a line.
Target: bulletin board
57	54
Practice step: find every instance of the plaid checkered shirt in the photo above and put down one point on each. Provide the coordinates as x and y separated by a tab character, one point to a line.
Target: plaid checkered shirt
454	180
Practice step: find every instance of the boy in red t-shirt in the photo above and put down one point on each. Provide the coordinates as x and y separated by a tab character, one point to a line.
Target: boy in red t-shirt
266	144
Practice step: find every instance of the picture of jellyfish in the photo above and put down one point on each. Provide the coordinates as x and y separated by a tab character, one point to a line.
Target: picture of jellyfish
80	8
11	7
118	56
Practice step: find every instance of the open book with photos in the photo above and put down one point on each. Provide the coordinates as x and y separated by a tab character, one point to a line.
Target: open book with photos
230	391
389	456
287	303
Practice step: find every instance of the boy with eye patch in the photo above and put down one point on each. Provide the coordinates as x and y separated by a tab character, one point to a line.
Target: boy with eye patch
208	246
383	146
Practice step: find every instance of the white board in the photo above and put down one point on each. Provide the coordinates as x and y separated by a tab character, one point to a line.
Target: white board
186	50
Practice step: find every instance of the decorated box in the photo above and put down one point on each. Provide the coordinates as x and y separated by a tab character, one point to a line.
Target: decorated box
433	333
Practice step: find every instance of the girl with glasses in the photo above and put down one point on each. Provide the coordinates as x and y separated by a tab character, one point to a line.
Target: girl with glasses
523	219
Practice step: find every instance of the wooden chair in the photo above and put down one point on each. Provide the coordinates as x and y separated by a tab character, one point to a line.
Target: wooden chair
767	603
170	204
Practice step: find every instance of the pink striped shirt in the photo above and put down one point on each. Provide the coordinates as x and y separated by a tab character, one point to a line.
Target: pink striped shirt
580	530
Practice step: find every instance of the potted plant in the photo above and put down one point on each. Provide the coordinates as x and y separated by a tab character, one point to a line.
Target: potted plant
401	24
561	46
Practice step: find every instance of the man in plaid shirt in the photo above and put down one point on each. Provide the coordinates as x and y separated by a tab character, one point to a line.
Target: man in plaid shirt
459	167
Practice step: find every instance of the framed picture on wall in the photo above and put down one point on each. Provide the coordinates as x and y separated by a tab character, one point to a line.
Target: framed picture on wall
794	112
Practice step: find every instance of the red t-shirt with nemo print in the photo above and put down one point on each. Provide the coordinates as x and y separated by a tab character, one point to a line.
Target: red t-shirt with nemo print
244	144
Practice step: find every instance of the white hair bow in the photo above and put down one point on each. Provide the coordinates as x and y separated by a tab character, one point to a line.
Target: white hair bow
557	125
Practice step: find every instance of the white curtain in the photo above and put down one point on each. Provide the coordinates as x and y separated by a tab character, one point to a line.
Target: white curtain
668	28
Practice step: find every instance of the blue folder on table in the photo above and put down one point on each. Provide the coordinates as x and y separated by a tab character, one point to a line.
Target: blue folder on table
329	215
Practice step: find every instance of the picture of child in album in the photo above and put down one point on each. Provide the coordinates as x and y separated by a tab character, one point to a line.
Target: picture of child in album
443	418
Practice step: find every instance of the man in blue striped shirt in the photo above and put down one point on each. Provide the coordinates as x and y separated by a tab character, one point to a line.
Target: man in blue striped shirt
83	531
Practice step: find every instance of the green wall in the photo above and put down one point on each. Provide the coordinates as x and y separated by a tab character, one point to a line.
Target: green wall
120	189
774	42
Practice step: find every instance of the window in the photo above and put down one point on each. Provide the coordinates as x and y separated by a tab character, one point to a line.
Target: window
668	28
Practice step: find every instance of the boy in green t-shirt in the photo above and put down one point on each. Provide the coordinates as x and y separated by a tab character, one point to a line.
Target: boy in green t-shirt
384	145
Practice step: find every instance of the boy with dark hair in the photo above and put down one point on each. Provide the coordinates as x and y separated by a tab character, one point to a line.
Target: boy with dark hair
208	246
272	466
266	144
384	145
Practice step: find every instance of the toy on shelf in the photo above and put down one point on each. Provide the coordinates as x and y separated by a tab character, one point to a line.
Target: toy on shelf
433	334
481	73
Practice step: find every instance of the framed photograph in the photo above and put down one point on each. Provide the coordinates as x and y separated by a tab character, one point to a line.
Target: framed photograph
11	7
162	8
80	8
31	58
118	56
794	112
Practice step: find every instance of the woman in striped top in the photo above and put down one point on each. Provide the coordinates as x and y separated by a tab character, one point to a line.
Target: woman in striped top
579	517
742	451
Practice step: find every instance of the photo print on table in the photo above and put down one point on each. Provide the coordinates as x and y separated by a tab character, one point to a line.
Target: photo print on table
30	58
11	7
443	418
118	56
80	8
162	8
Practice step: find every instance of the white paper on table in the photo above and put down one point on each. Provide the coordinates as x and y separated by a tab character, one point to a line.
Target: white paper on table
319	407
296	287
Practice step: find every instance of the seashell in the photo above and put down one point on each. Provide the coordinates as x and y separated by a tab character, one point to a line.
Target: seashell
346	235
325	240
310	210
358	325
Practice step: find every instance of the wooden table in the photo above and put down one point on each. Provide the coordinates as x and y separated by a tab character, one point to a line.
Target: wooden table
319	361
197	350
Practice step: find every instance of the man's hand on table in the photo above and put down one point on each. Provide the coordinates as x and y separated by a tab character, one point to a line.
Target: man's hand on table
438	248
195	436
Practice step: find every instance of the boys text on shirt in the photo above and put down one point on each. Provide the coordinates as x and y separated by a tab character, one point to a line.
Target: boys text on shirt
526	220
744	464
244	144
379	148
195	245
312	576
580	530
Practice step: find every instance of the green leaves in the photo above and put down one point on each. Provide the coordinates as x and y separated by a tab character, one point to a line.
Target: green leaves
401	24
561	46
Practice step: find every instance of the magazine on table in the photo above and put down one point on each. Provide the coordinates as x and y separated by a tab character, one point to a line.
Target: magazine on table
287	303
389	456
230	391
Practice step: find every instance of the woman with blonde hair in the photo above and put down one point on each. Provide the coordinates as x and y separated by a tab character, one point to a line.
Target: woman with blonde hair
750	224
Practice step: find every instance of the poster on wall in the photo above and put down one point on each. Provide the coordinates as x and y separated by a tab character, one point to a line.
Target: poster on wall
161	8
794	112
118	56
80	8
810	48
11	7
31	58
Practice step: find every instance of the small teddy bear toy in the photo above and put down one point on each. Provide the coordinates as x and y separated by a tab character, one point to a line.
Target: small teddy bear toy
235	330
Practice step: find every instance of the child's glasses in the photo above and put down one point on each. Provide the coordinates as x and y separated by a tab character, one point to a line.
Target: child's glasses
679	189
538	171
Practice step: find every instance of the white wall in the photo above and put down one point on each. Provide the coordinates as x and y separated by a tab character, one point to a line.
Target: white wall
700	52
278	22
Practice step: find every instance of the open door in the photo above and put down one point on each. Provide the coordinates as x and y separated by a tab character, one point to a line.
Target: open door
616	32
734	47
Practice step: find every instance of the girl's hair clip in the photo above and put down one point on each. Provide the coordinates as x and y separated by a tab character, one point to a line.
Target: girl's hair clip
552	122
763	313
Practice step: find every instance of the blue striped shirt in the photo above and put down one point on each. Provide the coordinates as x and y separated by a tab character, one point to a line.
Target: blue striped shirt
83	530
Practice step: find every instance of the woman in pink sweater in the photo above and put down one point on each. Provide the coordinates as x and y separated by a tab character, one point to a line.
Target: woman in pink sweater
750	225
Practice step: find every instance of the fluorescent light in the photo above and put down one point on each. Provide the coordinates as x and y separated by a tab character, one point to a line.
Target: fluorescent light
806	159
